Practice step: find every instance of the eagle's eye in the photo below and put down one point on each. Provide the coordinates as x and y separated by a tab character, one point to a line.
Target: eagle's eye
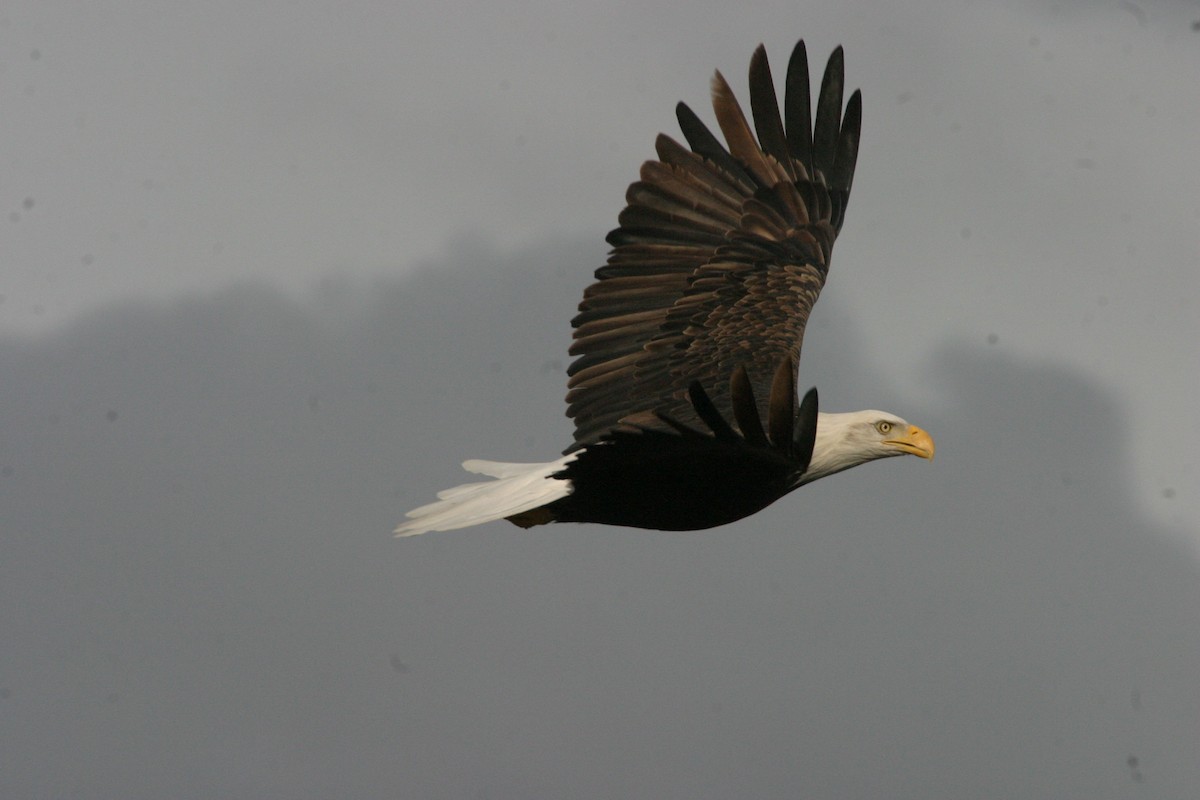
884	427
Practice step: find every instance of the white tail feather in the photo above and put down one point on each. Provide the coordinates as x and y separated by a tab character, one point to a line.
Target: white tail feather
517	488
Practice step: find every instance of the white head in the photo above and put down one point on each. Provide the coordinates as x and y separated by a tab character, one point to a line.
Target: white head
847	440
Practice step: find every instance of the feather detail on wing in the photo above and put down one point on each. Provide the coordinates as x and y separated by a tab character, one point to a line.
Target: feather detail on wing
718	260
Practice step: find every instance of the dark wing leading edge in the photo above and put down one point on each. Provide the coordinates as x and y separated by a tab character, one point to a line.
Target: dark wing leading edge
719	257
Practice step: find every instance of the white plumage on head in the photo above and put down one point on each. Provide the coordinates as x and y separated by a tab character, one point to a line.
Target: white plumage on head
852	438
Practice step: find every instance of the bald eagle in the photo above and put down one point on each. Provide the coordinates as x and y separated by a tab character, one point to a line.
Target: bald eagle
683	387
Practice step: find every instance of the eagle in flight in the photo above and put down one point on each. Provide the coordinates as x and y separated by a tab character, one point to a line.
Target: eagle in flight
683	385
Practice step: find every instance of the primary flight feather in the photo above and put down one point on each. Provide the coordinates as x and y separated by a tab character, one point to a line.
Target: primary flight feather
683	387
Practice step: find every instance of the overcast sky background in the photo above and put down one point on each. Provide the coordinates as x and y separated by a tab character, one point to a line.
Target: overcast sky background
270	272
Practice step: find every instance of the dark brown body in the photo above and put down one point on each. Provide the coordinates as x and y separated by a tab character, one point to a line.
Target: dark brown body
685	479
666	482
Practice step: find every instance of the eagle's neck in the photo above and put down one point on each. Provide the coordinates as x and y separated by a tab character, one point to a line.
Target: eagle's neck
835	448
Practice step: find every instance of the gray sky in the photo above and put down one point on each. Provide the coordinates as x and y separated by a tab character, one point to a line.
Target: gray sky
271	273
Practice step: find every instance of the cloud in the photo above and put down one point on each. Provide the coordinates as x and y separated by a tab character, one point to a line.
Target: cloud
202	597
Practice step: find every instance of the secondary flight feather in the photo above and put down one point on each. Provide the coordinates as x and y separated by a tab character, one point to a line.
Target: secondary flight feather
683	387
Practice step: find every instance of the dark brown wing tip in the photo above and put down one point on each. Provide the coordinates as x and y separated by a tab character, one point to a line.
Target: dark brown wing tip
841	176
704	144
782	405
708	413
764	107
745	409
804	437
827	126
797	106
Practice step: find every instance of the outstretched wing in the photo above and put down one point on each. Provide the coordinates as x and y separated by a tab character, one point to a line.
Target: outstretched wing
719	257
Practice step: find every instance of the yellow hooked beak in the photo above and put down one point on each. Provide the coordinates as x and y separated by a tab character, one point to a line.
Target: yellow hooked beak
914	442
